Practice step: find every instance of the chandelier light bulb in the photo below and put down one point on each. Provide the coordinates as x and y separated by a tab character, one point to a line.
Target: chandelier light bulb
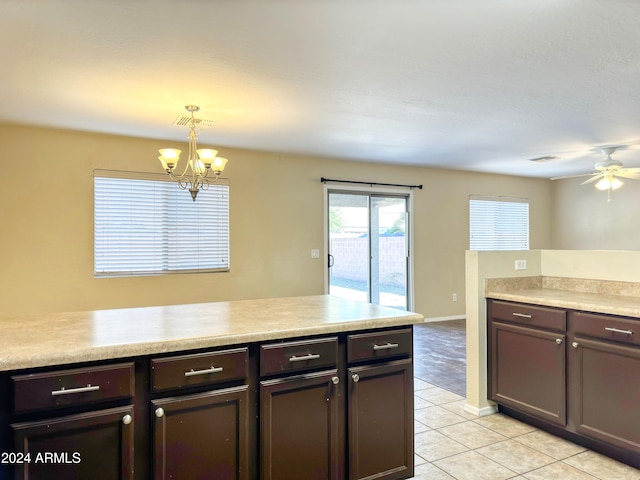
169	158
218	164
207	155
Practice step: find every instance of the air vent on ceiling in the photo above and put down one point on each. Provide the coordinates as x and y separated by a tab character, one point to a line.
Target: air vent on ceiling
546	158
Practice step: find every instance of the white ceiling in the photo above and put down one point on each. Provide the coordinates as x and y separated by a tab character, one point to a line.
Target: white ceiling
482	85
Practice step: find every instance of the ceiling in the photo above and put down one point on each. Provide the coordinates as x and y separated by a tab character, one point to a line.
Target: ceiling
481	85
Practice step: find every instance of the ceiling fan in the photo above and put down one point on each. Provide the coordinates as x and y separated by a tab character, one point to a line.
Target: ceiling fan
607	173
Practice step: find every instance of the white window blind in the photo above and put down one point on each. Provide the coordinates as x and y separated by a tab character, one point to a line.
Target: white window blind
498	223
145	225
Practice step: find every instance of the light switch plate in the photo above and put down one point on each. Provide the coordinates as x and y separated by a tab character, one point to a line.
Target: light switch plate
315	253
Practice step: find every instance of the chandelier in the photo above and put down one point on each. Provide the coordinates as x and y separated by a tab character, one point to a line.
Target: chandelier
203	165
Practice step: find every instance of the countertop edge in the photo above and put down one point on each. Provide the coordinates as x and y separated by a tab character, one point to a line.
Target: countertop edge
138	349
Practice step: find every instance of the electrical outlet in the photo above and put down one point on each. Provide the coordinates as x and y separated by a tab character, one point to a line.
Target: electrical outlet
454	297
315	253
521	264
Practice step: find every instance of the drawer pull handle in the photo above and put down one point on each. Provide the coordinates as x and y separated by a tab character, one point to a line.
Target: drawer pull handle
335	380
386	346
559	341
64	391
192	373
159	412
575	344
127	419
522	315
617	330
303	358
355	377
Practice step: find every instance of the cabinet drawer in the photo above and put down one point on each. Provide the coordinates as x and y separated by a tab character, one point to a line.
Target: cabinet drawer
279	358
533	316
72	387
377	345
196	369
604	326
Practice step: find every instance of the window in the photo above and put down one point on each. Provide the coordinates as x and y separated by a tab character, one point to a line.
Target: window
145	225
498	223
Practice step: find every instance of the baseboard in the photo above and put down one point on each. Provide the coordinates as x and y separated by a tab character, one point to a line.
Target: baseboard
480	412
444	319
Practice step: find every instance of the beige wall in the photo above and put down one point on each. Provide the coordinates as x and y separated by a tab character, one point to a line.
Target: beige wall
583	219
46	217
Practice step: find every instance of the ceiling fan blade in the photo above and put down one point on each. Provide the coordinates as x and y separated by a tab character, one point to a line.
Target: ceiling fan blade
626	174
634	170
574	176
593	179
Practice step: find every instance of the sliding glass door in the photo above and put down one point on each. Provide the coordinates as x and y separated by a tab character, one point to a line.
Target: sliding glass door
368	247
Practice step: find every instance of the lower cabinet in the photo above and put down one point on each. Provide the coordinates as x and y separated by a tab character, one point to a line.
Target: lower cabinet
302	434
354	421
380	423
582	381
604	390
94	445
333	407
528	370
202	436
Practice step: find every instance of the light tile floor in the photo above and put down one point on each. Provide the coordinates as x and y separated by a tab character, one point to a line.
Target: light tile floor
453	444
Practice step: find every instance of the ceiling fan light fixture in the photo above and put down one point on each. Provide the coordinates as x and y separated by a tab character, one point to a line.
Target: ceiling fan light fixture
612	183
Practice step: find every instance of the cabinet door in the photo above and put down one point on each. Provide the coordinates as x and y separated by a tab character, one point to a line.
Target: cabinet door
95	445
381	421
528	371
301	434
605	391
202	436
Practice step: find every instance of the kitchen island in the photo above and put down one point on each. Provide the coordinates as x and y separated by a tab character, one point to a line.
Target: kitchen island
564	354
300	387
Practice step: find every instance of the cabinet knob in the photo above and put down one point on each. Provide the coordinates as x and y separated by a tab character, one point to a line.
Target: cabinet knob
575	344
355	377
559	341
127	419
159	412
335	380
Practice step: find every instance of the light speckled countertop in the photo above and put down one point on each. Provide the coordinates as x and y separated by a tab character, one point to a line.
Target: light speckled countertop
613	298
63	338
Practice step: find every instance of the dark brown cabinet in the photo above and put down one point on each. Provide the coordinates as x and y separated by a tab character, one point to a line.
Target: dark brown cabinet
574	371
604	366
380	405
329	407
96	445
202	436
528	370
302	432
527	359
301	411
381	421
311	416
64	429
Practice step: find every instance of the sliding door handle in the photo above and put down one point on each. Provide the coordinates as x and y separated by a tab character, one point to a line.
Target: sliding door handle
330	261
